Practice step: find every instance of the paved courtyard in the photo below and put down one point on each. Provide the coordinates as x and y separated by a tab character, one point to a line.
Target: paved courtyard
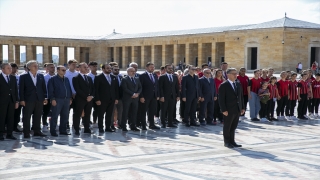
278	150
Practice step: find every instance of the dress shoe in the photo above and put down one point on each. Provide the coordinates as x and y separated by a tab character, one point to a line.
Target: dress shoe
17	130
203	123
119	126
154	127
236	145
101	130
187	123
26	135
64	133
124	129
172	126
135	129
112	127
87	131
164	126
77	133
228	145
1	138
54	134
109	130
210	123
39	133
194	123
176	120
144	128
10	136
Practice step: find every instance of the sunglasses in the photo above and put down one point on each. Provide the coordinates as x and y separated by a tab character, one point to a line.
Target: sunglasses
63	70
116	69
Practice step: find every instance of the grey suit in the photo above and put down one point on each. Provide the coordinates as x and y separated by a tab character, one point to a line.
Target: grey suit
129	88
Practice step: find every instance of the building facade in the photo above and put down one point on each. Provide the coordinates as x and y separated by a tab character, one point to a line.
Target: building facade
280	44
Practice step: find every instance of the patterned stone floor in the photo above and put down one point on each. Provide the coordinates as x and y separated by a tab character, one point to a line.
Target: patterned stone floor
279	150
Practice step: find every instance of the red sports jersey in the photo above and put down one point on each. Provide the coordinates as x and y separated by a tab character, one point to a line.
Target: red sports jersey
283	87
293	90
316	89
309	81
255	84
265	80
304	87
200	74
273	91
244	81
218	83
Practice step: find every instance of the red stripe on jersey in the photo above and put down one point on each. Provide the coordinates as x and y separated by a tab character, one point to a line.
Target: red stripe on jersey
255	84
283	87
316	89
304	87
272	90
293	90
244	81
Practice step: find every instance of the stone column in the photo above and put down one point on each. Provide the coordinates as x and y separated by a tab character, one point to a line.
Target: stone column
163	55
200	55
61	55
213	55
152	53
46	57
77	53
133	54
187	53
175	54
17	55
143	63
29	52
10	53
34	52
116	54
1	53
50	53
124	57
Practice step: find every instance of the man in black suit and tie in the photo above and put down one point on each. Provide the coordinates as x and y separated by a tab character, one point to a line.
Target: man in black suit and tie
84	87
131	87
169	95
232	106
148	97
106	96
118	108
9	100
191	95
33	95
209	95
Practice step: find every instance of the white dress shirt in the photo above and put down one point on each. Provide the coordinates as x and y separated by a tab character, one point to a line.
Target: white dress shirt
34	79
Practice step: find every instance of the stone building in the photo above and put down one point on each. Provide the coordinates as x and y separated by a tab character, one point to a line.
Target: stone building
280	44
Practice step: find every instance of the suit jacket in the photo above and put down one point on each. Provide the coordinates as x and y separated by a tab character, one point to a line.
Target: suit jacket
83	88
167	88
230	100
150	90
8	92
208	90
129	88
103	90
119	85
29	92
190	86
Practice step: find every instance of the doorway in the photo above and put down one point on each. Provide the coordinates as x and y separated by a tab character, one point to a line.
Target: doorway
252	58
315	55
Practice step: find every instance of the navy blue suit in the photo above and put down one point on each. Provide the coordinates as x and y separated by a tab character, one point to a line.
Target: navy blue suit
33	96
191	91
208	91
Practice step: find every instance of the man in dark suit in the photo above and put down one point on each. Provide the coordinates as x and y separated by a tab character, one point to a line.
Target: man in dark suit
191	95
232	106
148	97
131	87
169	95
106	96
209	95
84	87
33	95
9	100
118	108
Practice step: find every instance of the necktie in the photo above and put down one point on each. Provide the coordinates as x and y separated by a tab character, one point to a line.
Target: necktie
108	78
170	78
133	81
208	80
234	86
8	80
86	78
151	77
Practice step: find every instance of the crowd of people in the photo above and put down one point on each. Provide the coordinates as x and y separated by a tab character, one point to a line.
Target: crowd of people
111	100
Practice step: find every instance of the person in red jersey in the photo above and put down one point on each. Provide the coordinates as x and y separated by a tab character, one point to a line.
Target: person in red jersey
203	66
244	81
270	72
303	88
264	77
283	89
254	100
273	98
316	96
293	96
218	80
288	75
309	80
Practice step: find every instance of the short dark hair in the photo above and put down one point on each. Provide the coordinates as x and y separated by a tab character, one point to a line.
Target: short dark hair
60	66
25	66
162	68
45	64
113	64
272	78
257	70
224	63
13	65
82	64
203	65
149	63
294	74
104	65
49	64
167	65
72	61
92	63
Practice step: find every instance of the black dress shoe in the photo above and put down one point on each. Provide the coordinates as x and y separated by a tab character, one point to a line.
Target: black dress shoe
17	130
88	131
228	145
194	123
172	125
10	136
77	133
109	130
54	134
135	129
163	126
124	129
65	133
101	130
187	123
154	127
39	133
144	128
236	145
112	127
26	135
1	138
176	120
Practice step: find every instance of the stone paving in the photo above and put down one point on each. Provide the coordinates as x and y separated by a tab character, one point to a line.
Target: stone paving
276	150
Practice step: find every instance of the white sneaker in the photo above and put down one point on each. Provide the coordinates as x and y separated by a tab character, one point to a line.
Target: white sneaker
45	128
311	116
316	116
306	116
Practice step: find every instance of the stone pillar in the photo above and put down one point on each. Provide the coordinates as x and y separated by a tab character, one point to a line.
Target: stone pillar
187	53
10	53
152	53
133	54
29	52
163	55
213	55
50	53
17	54
34	52
61	55
1	53
46	57
143	63
124	57
175	54
200	55
116	55
77	53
